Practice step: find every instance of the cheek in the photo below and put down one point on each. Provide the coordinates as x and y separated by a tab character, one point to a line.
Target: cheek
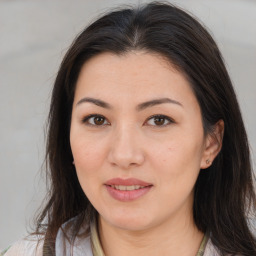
86	165
86	150
88	157
178	152
177	168
85	156
178	160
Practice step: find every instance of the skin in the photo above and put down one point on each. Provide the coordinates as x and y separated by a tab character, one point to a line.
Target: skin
128	143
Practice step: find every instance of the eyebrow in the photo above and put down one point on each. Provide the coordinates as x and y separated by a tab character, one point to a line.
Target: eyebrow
139	107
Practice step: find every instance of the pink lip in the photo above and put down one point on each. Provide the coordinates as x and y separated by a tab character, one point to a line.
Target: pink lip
127	195
127	182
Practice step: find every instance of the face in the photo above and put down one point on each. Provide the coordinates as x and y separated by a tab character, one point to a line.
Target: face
137	139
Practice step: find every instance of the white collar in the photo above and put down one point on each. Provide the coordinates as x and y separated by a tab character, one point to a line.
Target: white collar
82	246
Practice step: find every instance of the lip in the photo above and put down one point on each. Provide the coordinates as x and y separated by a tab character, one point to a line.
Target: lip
127	182
127	195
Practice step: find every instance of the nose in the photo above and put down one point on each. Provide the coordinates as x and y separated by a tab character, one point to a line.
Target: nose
125	148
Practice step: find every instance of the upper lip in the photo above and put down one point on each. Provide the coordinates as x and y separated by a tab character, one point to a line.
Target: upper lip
127	182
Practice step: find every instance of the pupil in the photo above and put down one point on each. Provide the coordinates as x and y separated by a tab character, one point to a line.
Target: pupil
159	120
98	120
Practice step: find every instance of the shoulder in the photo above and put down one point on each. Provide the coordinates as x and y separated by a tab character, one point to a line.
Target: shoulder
81	245
33	245
30	246
210	249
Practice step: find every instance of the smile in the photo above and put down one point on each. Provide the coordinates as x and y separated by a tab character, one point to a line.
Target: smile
126	190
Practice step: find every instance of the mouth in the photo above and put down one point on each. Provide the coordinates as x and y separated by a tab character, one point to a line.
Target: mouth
127	189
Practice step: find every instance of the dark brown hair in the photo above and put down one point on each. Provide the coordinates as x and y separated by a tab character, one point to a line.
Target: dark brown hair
224	192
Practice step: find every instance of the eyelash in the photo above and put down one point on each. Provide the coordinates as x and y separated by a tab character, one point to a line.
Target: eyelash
85	120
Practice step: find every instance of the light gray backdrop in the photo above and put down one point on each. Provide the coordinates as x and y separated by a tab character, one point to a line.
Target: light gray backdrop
34	37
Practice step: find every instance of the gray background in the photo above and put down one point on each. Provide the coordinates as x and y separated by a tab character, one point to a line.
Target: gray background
34	37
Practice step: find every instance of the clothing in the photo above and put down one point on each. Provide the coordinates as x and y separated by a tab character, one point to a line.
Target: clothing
82	247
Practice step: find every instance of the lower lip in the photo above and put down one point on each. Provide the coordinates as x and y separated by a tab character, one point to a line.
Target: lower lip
127	195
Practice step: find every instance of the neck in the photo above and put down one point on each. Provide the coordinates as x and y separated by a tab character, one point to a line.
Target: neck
177	236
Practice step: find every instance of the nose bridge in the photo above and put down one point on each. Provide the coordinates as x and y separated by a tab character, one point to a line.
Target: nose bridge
125	148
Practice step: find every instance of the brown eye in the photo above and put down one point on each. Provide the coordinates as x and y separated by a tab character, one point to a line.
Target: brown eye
94	120
160	120
98	120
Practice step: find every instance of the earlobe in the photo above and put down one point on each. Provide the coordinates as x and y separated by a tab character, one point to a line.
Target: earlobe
213	145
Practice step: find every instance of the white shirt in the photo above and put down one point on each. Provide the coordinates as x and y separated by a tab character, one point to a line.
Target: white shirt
82	248
33	246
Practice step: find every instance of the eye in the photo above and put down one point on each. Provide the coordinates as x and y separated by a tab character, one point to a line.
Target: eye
95	120
160	120
99	120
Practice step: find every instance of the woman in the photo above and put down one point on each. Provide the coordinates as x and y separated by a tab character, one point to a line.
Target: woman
147	152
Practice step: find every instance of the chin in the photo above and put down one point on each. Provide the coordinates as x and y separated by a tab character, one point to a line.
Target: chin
129	226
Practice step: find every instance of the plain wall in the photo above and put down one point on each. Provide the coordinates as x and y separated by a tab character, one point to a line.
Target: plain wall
34	37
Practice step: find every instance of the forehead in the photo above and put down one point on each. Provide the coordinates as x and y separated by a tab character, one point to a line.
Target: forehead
135	75
135	64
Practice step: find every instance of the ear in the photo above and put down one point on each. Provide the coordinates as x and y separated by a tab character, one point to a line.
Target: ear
213	144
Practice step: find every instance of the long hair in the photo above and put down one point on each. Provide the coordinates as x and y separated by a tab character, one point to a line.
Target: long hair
224	193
